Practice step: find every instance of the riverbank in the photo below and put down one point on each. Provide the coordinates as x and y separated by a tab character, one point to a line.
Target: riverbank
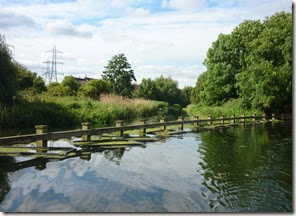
31	109
232	107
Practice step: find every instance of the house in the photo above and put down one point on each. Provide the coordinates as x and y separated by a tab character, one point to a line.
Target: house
84	80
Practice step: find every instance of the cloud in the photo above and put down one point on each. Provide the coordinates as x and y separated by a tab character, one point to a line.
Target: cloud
66	28
9	19
138	12
156	39
185	5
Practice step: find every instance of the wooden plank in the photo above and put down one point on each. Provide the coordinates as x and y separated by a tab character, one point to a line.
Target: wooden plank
91	143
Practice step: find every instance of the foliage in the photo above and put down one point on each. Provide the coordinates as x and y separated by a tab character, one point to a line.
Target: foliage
27	80
94	88
187	91
195	96
147	89
70	111
8	81
168	90
39	85
161	89
232	107
266	82
72	83
254	63
119	73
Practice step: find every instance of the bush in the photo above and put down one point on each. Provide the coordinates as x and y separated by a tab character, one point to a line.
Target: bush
38	85
232	107
70	83
94	88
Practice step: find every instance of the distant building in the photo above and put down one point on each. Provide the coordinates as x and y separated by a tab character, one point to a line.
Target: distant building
136	87
84	80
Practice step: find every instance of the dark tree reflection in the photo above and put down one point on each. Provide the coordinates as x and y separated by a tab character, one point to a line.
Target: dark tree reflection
247	167
4	181
114	155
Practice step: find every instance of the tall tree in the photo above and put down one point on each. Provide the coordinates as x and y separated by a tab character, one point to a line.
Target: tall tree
266	82
8	74
168	91
225	59
147	89
120	74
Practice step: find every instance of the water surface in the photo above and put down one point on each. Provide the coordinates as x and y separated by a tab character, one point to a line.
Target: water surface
240	169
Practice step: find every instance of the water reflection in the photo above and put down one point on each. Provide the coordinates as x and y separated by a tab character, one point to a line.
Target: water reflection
4	181
248	168
239	169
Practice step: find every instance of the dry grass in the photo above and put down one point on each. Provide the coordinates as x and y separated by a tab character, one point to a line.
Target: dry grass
119	100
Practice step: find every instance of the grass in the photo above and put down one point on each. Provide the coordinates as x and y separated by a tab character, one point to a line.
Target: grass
232	107
60	112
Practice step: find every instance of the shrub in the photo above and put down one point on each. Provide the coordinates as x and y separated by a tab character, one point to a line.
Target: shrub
94	88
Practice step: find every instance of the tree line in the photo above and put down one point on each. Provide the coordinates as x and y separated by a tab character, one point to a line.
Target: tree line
252	64
116	79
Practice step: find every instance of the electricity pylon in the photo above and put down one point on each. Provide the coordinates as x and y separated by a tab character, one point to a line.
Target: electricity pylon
51	66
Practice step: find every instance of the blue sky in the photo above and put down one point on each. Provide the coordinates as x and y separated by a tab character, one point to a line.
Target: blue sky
159	37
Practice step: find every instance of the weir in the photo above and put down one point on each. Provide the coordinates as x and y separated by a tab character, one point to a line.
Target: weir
87	131
115	137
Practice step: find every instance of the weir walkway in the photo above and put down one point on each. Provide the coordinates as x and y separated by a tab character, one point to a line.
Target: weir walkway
88	139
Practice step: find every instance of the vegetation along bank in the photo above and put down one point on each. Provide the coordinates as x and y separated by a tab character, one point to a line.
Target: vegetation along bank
248	71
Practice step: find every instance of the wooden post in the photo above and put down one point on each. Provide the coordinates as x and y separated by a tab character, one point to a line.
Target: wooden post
196	126
86	126
254	117
222	119
210	122
264	117
162	120
40	129
232	120
243	120
142	132
273	116
181	126
119	123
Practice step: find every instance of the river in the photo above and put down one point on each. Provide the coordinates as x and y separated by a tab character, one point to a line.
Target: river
237	169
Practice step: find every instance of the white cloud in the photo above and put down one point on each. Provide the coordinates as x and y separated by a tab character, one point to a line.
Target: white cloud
10	19
186	5
138	12
155	42
66	28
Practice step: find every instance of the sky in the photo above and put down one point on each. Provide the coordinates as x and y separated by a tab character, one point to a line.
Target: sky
158	37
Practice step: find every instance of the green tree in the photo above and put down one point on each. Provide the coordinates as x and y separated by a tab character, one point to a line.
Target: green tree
95	88
266	82
119	73
168	91
147	89
8	74
55	89
187	91
225	59
195	96
39	85
25	78
72	83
